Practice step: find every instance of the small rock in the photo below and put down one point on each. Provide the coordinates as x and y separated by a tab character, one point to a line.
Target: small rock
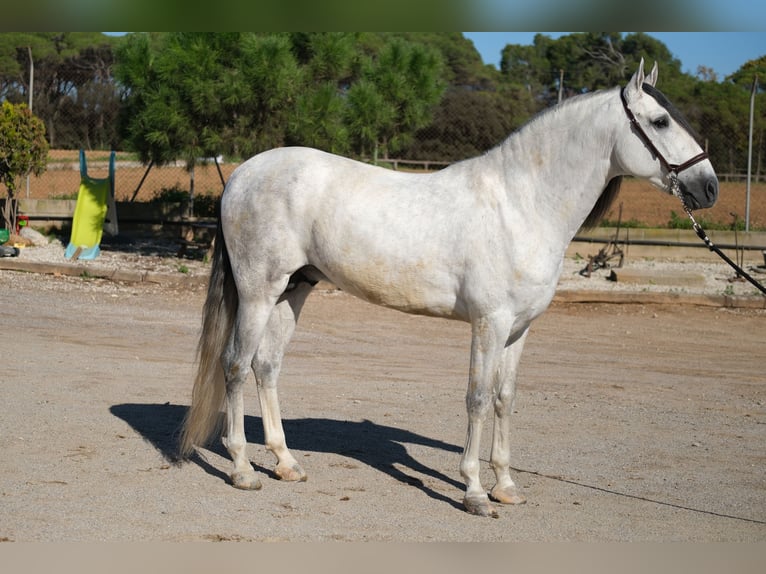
37	238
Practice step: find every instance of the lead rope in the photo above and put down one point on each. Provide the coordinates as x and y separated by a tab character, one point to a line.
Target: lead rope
676	190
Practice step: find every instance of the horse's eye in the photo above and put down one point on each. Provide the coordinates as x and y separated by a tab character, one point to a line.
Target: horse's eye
662	122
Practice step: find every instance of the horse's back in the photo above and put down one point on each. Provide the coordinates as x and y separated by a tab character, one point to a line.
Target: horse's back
292	171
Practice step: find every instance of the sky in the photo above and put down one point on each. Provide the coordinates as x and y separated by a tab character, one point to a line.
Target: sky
724	52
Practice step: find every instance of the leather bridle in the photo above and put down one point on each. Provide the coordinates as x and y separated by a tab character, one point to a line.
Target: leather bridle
673	169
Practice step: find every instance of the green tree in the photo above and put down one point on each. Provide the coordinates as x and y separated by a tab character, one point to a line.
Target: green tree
177	85
318	120
176	88
74	91
528	67
468	122
273	82
744	76
476	110
721	114
395	96
23	150
192	95
368	114
463	65
589	61
329	62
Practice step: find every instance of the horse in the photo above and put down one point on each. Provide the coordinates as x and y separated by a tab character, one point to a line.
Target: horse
482	241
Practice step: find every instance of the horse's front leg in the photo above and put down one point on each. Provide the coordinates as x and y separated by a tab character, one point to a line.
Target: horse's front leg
489	335
505	490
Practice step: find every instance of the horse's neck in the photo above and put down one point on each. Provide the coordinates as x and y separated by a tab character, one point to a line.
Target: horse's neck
563	160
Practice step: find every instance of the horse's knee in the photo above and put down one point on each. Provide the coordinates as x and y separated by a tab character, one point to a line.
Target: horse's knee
477	403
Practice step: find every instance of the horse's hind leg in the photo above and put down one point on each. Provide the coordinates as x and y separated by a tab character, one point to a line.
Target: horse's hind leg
253	315
266	366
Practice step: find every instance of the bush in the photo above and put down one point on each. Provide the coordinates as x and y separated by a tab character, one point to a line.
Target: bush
683	222
23	150
205	205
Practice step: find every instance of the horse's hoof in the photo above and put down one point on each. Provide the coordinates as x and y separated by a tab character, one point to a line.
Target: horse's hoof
480	506
291	473
246	481
507	496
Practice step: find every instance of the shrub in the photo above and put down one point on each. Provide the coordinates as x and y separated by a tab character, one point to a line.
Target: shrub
23	150
205	205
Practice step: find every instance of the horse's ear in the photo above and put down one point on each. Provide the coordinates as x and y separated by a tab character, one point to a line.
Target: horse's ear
651	79
633	89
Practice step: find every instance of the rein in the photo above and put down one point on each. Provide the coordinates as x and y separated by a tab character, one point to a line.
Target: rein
675	188
702	235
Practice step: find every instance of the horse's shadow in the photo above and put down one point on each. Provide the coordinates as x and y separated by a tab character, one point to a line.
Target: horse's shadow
378	446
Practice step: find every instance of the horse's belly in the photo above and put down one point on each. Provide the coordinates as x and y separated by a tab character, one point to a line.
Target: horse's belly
411	289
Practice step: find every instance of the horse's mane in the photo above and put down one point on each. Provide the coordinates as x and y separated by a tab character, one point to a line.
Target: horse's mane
553	110
603	203
609	194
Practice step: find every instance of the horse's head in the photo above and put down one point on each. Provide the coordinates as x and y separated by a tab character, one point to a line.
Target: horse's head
660	146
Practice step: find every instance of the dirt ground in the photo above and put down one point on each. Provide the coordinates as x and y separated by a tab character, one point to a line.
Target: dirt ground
633	422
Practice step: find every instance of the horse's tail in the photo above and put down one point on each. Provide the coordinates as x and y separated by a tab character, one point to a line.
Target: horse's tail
203	418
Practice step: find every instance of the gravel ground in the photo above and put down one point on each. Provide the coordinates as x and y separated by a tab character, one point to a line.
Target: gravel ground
715	278
149	256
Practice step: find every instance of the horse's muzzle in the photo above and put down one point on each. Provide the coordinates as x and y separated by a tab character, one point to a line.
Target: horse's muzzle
702	194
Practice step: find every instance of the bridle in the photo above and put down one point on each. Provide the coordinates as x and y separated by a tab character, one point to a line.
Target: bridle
673	169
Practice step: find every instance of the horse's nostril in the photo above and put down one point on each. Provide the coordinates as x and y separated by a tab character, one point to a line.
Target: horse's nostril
711	190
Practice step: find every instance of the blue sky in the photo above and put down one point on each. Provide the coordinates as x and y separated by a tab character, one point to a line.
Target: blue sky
724	52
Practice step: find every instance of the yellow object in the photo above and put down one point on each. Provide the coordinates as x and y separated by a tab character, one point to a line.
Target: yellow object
90	213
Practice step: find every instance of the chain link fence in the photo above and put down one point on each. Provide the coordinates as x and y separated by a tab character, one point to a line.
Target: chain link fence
133	180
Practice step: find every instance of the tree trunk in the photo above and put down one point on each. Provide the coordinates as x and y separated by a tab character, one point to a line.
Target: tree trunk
10	211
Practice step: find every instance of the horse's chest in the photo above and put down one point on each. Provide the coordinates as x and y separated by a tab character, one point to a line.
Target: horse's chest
524	284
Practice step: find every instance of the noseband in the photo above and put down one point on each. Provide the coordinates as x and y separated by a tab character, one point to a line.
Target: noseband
673	169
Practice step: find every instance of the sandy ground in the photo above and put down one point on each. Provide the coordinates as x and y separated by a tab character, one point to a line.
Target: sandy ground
633	422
